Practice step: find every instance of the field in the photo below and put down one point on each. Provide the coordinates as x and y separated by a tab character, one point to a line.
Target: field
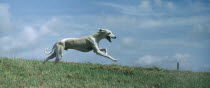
32	73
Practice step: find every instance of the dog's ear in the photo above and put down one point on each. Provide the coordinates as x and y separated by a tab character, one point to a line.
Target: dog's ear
100	30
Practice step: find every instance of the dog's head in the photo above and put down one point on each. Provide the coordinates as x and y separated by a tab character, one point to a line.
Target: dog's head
107	34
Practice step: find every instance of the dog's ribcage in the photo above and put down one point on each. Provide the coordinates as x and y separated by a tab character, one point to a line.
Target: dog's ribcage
81	44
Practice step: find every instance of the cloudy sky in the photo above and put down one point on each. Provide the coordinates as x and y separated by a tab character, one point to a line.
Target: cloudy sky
149	32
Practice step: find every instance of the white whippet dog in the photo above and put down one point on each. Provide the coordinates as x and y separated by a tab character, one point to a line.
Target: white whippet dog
84	44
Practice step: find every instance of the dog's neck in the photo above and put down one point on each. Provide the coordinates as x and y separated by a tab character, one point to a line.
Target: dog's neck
98	37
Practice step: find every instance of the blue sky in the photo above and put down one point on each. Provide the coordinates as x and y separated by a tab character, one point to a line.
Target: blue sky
150	32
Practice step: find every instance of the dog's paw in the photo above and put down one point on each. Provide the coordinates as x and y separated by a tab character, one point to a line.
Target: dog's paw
115	60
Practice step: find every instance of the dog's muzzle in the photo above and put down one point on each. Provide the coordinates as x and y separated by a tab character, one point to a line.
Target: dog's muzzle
110	36
114	37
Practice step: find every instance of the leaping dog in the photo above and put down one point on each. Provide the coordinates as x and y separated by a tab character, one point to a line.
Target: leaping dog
84	44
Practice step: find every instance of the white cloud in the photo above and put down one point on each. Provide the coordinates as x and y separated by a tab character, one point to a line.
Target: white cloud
15	38
148	60
165	61
181	57
29	33
64	26
21	39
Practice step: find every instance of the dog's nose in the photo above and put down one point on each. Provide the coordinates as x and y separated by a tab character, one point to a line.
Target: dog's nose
115	37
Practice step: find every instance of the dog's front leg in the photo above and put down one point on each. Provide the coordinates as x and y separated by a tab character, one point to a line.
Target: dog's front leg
104	55
103	49
97	50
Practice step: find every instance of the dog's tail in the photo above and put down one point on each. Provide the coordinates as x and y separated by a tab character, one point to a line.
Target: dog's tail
45	51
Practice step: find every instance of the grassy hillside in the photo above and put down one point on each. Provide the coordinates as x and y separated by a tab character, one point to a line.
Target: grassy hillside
32	73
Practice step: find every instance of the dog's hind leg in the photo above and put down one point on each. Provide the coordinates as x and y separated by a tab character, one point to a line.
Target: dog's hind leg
59	53
50	57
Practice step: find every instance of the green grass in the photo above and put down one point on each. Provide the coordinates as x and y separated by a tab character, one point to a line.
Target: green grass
32	73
